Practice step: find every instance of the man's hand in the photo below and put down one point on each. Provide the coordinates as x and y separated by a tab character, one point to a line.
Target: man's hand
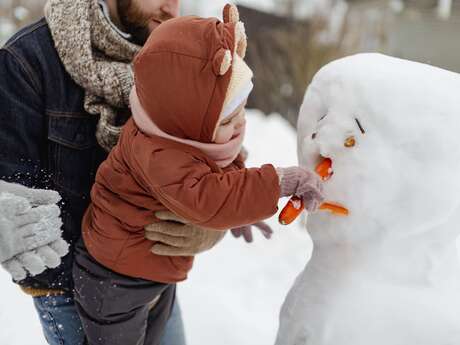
30	230
246	231
177	237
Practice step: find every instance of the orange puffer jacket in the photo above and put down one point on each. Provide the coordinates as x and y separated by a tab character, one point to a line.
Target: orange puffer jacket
175	74
143	175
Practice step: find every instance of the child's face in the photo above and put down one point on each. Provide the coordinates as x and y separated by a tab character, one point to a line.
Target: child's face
231	126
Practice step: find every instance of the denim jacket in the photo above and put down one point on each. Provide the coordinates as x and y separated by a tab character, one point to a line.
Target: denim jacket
47	140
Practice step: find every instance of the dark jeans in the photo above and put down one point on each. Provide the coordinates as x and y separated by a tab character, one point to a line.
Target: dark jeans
59	319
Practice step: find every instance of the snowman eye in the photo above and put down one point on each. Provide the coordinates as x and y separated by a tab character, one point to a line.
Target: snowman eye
360	127
350	141
313	136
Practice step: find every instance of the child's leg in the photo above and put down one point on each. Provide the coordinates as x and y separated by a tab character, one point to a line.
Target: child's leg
158	317
115	309
174	332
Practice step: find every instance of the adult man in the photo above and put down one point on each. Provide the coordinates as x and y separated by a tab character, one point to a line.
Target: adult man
64	86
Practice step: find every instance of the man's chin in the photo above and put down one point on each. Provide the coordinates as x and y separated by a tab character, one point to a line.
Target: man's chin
153	24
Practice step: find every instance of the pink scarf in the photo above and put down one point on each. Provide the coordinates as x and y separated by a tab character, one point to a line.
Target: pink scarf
222	154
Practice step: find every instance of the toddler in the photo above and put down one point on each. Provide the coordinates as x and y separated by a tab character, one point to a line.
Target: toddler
180	152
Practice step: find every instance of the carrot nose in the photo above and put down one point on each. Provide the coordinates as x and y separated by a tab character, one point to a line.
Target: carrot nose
324	169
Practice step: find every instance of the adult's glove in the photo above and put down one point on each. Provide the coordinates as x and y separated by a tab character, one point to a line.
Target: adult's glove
30	230
175	236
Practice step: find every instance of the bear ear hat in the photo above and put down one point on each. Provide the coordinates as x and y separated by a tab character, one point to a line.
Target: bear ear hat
222	61
231	15
224	57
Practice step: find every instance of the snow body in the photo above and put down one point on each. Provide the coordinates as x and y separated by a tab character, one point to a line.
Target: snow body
389	273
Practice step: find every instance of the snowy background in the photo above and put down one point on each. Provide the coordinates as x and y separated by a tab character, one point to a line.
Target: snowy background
234	292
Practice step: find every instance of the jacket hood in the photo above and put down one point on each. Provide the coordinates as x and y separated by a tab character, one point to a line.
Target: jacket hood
181	77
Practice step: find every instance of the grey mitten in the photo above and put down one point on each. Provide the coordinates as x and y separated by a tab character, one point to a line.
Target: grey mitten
175	236
303	183
30	231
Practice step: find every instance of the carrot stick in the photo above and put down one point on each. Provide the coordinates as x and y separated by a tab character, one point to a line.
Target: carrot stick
324	169
291	211
334	209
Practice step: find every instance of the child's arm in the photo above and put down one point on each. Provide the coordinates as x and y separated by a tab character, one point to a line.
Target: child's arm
187	186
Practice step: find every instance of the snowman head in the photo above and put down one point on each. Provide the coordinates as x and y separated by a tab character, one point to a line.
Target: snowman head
392	130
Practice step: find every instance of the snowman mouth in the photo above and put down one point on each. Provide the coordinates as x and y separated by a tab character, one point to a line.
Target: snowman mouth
325	171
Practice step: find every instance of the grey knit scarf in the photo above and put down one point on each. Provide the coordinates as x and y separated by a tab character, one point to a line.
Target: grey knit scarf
97	58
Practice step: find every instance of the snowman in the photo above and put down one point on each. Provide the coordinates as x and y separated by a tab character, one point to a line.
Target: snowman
388	273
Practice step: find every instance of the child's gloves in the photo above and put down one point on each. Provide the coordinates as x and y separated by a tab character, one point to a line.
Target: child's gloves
303	183
246	231
30	230
176	237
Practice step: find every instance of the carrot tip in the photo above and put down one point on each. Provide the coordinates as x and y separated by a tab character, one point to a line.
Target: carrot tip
334	209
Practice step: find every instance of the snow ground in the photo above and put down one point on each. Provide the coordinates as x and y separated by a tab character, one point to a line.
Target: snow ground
234	292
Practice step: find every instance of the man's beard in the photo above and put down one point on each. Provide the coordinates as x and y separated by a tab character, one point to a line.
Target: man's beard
136	22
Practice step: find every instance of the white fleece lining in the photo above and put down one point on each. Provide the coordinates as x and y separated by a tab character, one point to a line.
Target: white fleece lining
237	100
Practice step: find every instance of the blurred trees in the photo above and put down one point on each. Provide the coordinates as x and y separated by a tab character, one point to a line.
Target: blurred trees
284	54
289	40
17	13
288	7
